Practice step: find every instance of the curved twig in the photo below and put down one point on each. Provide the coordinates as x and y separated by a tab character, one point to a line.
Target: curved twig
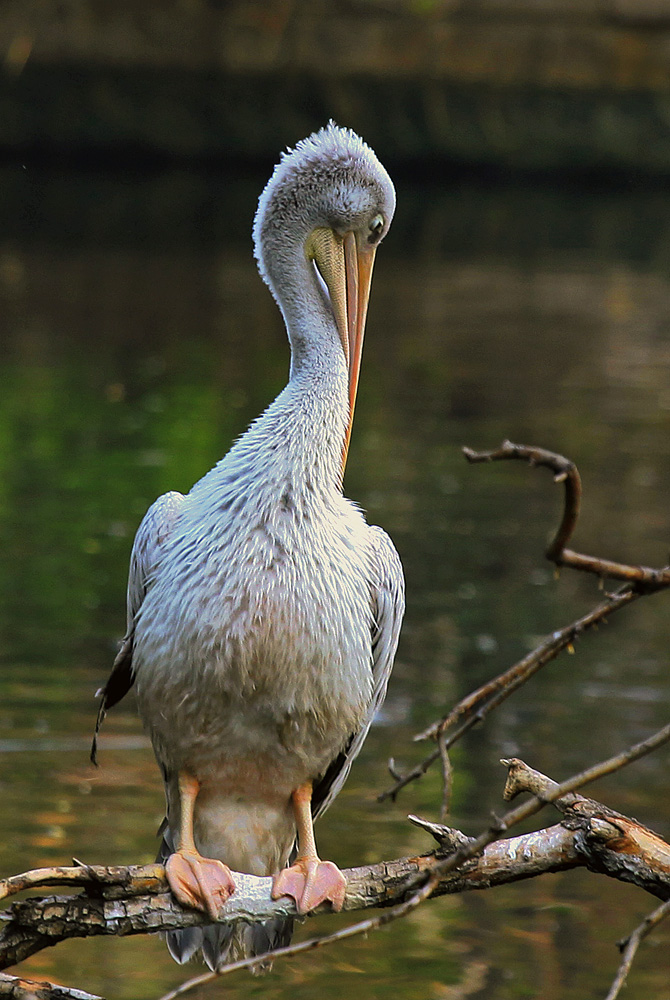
565	471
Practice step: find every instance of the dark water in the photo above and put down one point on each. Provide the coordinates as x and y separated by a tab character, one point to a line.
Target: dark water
136	341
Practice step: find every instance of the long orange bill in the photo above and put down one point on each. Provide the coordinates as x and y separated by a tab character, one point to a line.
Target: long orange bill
358	262
345	264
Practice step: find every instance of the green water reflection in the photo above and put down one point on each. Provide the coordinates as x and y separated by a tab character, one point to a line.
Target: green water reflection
136	341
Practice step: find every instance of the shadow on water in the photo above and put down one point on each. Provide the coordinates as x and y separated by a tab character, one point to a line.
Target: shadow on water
136	341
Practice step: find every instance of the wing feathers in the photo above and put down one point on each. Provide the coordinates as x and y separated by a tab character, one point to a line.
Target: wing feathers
388	606
151	535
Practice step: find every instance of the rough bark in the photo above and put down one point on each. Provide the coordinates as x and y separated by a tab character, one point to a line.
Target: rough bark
15	988
136	900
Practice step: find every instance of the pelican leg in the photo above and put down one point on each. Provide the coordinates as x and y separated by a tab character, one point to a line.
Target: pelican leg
201	883
309	880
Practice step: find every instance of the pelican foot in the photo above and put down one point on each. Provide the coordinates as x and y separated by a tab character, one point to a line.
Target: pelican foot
201	883
311	881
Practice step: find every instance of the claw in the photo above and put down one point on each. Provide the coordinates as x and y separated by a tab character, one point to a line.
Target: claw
310	881
201	883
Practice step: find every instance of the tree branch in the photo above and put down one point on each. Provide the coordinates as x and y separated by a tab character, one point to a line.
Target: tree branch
632	943
565	471
34	924
480	703
607	841
594	837
15	988
639	581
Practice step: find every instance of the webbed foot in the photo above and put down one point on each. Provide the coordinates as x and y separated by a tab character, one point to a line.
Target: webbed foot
310	881
201	883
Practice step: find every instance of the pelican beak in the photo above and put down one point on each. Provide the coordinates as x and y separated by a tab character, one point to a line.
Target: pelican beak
345	264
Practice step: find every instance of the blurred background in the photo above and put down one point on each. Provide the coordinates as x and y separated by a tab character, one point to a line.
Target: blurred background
523	291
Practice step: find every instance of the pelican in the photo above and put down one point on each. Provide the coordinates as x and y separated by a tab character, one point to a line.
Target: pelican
263	612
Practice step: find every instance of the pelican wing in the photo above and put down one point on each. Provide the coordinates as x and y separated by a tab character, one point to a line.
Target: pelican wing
388	606
151	535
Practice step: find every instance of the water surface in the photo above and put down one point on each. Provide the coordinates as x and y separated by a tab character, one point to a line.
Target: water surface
136	341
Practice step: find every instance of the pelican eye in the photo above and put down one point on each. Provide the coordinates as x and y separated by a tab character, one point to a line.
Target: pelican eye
375	228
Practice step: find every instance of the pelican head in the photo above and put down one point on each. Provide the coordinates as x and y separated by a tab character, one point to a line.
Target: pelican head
320	219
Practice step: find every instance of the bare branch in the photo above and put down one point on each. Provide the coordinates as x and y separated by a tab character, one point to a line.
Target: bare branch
640	580
566	472
480	703
406	779
190	984
631	944
448	838
37	923
15	988
522	778
447	776
130	880
468	849
615	763
533	805
609	842
631	852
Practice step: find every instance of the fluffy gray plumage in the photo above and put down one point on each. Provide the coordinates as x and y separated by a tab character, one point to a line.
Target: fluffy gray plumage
263	611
